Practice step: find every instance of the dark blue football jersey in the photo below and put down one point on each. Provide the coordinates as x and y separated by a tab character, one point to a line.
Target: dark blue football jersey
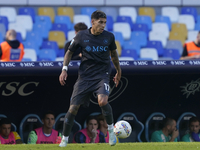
95	62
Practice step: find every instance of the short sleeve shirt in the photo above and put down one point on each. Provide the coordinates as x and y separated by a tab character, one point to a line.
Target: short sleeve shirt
158	136
95	63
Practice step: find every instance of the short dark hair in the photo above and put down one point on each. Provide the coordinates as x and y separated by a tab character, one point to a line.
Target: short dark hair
101	117
4	121
193	119
98	14
48	112
80	26
167	121
91	118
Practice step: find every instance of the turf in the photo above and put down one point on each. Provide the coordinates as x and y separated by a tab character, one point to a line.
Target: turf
119	146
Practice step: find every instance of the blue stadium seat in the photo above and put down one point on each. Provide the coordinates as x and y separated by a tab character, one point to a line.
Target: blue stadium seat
141	27
88	10
4	20
164	19
145	20
59	126
51	45
26	59
13	126
132	45
19	37
27	11
137	127
197	26
64	20
41	28
1	38
129	53
60	27
153	123
29	123
190	11
61	53
183	124
35	36
125	19
111	11
139	36
157	45
47	54
119	37
31	44
173	53
45	20
109	23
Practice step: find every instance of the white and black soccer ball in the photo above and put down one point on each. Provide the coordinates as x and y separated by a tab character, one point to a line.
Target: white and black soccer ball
122	129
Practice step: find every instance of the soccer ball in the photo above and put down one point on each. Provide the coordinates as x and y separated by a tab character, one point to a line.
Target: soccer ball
122	129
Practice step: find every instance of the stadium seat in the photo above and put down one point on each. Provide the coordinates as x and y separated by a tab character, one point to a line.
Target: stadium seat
197	26
173	53
60	27
119	37
31	45
109	23
188	20
158	36
3	30
59	58
47	54
30	54
119	48
1	38
140	37
45	20
87	10
181	28
126	19
25	21
59	126
161	27
132	45
34	36
141	27
144	20
9	12
149	53
174	44
4	20
177	36
50	45
42	29
13	126
71	35
57	36
110	11
29	123
124	28
19	37
183	123
64	20
82	18
190	11
137	127
27	11
153	123
66	11
130	53
171	12
128	11
163	19
147	11
126	58
18	28
157	45
47	11
192	35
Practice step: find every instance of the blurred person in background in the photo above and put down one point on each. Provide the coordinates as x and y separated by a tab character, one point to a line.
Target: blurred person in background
77	54
11	49
6	135
192	49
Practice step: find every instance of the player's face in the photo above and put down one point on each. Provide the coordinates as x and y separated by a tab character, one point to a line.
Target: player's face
198	38
194	127
92	124
172	127
49	121
99	25
5	130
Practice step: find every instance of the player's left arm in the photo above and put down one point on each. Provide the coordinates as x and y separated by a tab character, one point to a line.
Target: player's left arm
17	138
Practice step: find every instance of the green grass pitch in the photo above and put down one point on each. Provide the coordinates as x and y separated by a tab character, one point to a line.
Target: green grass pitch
118	146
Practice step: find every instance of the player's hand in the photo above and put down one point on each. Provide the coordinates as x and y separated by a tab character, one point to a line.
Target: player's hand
117	78
94	134
63	77
175	134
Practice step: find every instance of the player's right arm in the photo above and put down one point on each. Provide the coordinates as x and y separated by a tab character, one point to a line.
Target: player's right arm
32	138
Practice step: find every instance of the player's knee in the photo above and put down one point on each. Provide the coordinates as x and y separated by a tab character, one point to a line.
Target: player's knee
102	101
73	109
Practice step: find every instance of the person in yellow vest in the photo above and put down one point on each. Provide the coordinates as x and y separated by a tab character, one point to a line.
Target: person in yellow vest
11	49
192	49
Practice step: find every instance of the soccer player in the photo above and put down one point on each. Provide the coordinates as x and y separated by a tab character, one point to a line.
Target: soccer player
6	135
94	72
45	134
90	134
194	135
169	133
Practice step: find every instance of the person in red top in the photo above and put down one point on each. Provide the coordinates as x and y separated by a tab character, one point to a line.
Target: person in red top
192	49
11	49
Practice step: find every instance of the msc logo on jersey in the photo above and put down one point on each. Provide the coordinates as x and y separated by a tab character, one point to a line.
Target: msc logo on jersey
105	41
96	48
